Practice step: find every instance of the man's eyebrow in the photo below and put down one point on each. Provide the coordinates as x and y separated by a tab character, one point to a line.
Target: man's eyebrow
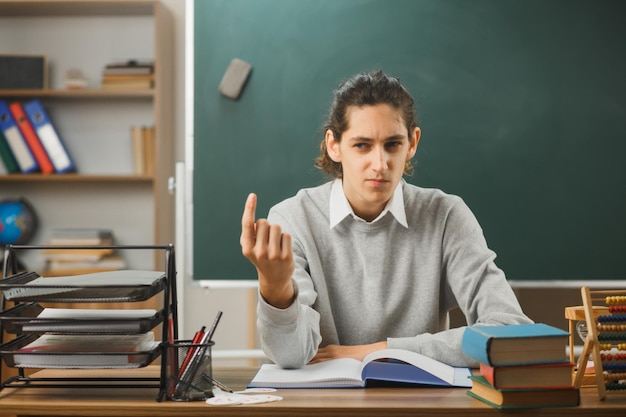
360	139
396	137
366	139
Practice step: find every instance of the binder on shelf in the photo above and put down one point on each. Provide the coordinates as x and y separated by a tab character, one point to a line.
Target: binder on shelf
50	138
7	156
25	159
35	145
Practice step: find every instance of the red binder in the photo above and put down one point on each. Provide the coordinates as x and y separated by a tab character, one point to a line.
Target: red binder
31	138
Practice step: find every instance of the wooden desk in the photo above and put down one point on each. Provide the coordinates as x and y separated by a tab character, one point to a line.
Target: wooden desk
297	402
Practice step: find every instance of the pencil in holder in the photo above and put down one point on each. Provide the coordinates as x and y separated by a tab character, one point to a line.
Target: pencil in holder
189	371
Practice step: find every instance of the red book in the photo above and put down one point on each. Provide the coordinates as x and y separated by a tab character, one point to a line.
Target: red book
31	137
549	375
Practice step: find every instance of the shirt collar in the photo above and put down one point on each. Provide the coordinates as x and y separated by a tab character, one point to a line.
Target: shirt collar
340	207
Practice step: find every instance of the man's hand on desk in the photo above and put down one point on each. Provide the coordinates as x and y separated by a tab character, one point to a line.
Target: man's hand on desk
355	352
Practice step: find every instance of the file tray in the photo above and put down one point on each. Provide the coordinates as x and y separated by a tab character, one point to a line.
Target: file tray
67	353
109	286
33	318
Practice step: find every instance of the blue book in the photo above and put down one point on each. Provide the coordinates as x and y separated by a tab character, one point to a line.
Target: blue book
16	141
49	137
387	367
515	344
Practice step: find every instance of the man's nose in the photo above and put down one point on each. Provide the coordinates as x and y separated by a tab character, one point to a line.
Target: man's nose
379	159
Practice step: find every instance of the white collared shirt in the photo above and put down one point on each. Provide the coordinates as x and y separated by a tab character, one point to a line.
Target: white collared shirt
340	207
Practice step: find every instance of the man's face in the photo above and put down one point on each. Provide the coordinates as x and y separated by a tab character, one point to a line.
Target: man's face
373	152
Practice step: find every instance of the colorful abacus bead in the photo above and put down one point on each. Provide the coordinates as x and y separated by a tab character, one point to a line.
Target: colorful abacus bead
615	376
611	319
602	327
617	309
615	299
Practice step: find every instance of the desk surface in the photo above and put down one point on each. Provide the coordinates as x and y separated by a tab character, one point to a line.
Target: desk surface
302	402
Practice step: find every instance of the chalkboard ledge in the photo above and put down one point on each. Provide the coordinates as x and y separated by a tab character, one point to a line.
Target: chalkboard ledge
563	283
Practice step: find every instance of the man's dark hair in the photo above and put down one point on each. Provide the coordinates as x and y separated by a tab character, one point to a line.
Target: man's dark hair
366	89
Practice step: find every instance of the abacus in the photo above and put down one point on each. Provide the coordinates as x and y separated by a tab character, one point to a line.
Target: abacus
605	341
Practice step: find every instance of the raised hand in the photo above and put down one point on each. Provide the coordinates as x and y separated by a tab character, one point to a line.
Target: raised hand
270	251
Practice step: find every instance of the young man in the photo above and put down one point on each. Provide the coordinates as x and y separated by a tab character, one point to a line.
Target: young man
368	261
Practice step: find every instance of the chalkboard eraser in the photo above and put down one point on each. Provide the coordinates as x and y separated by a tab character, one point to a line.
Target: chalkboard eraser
235	78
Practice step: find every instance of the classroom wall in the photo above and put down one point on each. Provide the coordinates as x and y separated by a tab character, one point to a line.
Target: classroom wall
236	331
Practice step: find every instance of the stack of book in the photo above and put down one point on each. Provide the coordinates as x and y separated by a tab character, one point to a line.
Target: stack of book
61	261
128	75
29	142
521	366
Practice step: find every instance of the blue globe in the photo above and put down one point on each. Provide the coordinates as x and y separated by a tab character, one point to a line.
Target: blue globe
18	221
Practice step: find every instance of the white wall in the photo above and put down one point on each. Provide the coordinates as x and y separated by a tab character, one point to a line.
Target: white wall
199	305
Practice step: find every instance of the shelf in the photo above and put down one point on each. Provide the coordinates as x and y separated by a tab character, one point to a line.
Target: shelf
77	8
80	94
96	123
85	178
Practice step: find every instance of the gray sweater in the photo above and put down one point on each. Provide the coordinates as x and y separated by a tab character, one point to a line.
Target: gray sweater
361	283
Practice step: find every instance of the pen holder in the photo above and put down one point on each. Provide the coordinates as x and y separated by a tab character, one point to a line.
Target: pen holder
189	370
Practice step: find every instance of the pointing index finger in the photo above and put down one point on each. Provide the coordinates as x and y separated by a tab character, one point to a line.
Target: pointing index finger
248	218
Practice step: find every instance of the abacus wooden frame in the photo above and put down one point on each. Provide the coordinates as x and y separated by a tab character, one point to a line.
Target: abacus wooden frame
592	345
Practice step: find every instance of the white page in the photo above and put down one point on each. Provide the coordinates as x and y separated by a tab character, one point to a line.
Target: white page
343	372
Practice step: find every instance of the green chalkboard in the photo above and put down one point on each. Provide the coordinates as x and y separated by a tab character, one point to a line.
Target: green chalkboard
522	105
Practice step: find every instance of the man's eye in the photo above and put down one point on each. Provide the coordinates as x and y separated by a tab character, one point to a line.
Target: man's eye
394	144
361	145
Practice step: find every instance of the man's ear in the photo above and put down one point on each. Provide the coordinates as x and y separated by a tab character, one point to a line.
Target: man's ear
413	142
332	146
